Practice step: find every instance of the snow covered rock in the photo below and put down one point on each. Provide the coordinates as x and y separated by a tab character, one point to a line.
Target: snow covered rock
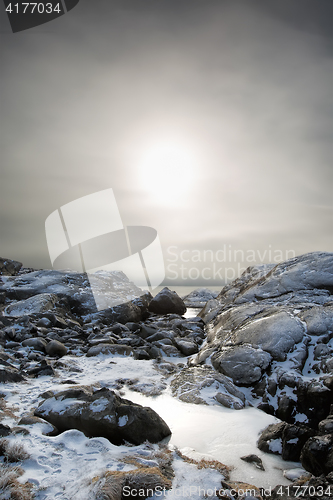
167	301
33	305
244	364
272	329
203	385
103	413
75	293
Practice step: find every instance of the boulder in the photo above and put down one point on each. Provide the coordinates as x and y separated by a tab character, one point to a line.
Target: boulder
56	349
244	364
9	373
103	413
203	385
271	330
167	301
36	343
75	291
317	455
33	305
9	267
122	350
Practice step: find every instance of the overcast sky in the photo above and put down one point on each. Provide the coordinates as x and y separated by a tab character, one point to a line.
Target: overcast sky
210	119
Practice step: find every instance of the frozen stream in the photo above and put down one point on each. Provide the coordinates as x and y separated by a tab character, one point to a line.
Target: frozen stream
58	463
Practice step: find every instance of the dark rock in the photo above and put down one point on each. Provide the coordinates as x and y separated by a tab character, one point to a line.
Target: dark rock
5	430
56	349
326	426
255	460
123	350
146	331
41	370
317	455
167	301
270	439
36	343
103	413
293	439
141	354
9	267
44	322
186	347
9	373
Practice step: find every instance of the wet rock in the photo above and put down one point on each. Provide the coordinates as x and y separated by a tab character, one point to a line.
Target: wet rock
167	301
103	413
56	349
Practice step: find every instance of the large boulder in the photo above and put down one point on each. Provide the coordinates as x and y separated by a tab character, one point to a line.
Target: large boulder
33	305
103	413
272	330
123	300
167	301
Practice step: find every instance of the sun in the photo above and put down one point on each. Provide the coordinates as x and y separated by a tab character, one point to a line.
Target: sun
166	171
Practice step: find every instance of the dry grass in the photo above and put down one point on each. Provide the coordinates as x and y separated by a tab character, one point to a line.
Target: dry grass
12	452
10	488
144	480
207	464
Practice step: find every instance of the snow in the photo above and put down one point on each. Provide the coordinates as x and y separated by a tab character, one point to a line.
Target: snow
123	420
62	467
58	405
99	405
275	445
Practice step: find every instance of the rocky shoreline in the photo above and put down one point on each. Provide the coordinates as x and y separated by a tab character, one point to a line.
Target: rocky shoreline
265	341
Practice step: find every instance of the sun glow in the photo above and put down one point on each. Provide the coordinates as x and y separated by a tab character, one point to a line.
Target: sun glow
167	171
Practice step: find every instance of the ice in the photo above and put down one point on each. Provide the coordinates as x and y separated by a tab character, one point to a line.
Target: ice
63	467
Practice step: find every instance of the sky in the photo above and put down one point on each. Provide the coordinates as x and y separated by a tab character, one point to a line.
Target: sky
211	120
